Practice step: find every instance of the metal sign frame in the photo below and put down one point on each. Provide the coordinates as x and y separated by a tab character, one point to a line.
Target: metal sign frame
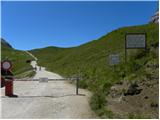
134	47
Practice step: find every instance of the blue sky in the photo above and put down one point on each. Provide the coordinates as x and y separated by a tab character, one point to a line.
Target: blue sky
29	25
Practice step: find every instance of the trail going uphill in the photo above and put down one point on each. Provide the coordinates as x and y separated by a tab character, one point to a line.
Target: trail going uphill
31	55
41	72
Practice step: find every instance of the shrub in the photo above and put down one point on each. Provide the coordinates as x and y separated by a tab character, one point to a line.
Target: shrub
83	84
98	100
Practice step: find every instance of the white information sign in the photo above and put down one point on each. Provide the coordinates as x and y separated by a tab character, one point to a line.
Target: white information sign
43	79
114	59
135	41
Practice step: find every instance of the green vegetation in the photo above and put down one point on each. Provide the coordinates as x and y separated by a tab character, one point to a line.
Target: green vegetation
91	62
98	104
133	116
18	59
29	74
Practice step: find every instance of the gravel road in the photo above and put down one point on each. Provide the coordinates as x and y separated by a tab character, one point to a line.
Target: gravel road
55	99
52	99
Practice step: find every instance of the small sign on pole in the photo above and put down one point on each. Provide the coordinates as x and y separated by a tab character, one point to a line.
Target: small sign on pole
6	65
7	75
114	59
43	79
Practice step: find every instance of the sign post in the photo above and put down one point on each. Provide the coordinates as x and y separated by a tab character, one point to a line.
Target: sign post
135	41
6	66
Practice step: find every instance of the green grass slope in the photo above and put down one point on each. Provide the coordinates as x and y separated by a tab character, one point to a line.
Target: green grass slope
91	59
91	62
18	59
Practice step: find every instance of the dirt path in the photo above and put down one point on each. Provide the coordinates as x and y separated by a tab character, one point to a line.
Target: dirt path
53	99
31	55
41	72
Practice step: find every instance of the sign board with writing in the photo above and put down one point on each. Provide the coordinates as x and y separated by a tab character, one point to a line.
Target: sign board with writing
43	79
114	59
135	41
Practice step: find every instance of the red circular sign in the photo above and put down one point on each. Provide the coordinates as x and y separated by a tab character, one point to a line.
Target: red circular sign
6	65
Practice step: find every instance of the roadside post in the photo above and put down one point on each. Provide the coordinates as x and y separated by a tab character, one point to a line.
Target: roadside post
6	66
77	85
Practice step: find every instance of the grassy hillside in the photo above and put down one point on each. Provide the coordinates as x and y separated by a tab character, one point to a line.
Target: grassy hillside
18	59
91	62
91	59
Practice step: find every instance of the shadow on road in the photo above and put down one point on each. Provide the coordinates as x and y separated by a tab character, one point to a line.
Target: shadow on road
49	96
